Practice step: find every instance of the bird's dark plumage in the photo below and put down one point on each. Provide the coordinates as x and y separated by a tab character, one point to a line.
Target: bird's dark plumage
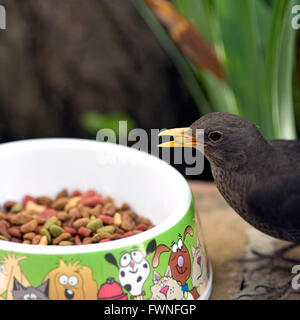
260	179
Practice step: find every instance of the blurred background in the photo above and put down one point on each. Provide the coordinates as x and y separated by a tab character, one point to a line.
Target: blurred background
71	67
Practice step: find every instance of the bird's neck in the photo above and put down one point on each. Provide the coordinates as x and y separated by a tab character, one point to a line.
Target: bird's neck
233	183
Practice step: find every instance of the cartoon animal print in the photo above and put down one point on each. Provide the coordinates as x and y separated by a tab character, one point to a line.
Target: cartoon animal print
10	270
30	293
179	262
134	270
71	282
165	288
199	268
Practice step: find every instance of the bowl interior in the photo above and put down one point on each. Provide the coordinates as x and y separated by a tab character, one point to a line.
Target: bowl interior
43	167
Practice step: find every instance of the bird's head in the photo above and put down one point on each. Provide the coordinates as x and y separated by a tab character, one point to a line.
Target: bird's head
228	140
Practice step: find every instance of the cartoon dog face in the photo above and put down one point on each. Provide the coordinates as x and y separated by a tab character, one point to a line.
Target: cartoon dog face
133	272
179	261
71	282
9	270
134	268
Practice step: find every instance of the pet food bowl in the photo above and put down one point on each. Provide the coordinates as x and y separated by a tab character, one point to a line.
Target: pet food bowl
167	262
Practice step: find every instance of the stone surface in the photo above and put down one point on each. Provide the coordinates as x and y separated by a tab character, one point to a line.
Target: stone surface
229	238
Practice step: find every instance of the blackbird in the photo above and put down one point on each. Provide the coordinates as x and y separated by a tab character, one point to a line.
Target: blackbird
259	179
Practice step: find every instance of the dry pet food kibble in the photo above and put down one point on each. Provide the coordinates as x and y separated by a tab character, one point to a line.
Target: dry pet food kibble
79	218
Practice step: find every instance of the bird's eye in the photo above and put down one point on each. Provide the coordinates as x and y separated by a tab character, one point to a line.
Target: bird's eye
214	136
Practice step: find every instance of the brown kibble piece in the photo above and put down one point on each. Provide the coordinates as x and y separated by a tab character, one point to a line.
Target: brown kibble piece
125	206
5	223
5	216
101	235
116	237
72	203
128	222
60	203
3	230
75	213
133	214
144	220
108	199
39	219
81	223
20	218
109	211
15	232
96	211
62	215
36	239
62	237
44	200
87	240
29	236
29	226
119	230
62	194
85	211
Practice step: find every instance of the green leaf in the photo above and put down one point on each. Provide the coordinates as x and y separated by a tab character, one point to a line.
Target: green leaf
94	121
244	57
278	72
254	41
179	60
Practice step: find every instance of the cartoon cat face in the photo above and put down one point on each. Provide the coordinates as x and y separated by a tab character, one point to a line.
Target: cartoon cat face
165	288
199	267
30	293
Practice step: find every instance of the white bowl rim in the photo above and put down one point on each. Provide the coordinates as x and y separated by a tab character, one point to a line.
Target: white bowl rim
167	224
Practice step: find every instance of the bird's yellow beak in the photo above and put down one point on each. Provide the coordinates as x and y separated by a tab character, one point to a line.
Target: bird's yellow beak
182	138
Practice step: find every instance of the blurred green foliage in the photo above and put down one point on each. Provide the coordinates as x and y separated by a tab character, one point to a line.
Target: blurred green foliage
93	121
255	43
